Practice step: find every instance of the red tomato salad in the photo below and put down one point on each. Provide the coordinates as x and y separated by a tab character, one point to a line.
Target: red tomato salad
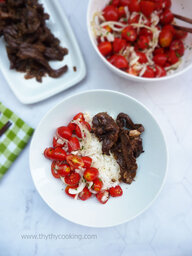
137	36
77	160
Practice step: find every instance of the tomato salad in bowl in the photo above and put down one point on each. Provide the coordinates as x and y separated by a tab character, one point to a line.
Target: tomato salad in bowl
138	37
93	155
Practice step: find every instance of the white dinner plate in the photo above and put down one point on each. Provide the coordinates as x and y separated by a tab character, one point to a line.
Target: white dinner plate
137	197
31	91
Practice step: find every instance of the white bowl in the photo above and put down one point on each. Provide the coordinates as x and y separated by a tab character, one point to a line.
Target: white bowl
182	7
137	197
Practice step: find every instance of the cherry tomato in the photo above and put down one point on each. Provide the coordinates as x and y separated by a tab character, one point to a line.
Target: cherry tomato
129	34
80	117
135	19
85	194
172	57
169	27
87	161
91	173
120	62
55	153
160	59
143	42
147	7
160	71
71	126
125	2
134	6
178	47
110	13
119	44
70	187
105	48
121	11
78	131
63	169
179	34
73	144
167	4
112	59
97	185
74	161
115	2
166	17
158	4
116	191
158	51
103	196
149	72
64	132
142	57
165	38
146	32
73	178
54	170
56	144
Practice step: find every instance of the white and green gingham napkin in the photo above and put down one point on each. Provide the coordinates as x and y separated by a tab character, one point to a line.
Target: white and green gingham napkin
14	140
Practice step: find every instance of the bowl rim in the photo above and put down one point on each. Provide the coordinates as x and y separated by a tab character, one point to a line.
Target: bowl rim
164	141
120	72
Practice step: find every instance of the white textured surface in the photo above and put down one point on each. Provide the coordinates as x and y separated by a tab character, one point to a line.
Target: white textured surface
165	229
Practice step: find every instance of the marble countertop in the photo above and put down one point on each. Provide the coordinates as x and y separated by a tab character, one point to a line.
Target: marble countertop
164	229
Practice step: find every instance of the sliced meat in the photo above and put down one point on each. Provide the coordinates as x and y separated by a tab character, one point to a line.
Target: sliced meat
106	131
124	121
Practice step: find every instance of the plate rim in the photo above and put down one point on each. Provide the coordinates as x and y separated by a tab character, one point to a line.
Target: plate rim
166	158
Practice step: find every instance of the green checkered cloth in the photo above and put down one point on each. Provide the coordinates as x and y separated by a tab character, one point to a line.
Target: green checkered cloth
14	140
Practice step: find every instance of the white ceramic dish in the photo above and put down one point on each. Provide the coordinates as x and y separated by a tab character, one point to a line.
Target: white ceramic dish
183	7
137	197
30	91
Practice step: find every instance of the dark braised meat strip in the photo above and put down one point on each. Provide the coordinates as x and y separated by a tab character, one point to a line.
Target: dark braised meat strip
124	121
30	44
106	131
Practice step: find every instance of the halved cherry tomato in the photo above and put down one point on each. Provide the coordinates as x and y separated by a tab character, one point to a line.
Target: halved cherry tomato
54	170
112	59
105	48
149	72
97	184
87	161
166	17
103	196
125	2
78	131
146	32
91	173
72	179
160	59
116	191
134	6
80	117
70	187
180	34
56	144
169	27
72	126
158	4
121	11
172	57
167	4
74	161
160	71
178	47
147	7
64	132
135	19
85	194
110	13
63	169
73	144
158	51
55	153
129	34
165	38
119	44
143	42
115	2
121	62
142	57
